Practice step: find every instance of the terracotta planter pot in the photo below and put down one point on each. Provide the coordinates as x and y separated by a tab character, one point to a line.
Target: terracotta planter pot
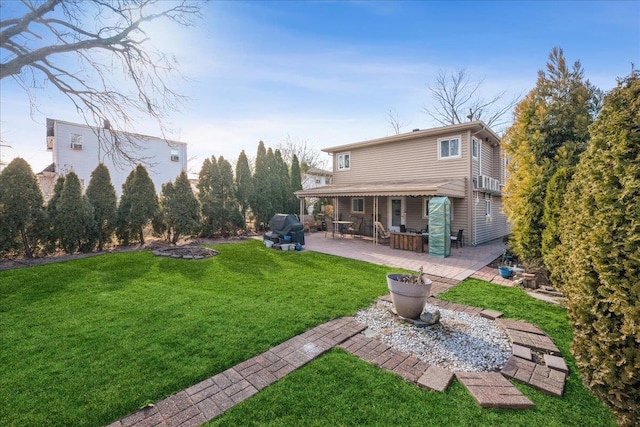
408	299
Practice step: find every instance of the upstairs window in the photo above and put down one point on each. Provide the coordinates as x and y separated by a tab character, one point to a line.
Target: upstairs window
175	156
448	148
76	141
475	148
344	161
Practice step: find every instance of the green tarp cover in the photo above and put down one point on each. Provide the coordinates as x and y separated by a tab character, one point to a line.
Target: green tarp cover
440	227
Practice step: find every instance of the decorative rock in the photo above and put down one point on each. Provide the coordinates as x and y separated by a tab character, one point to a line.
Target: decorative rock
430	318
459	342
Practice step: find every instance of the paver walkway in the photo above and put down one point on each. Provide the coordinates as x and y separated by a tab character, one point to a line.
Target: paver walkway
213	396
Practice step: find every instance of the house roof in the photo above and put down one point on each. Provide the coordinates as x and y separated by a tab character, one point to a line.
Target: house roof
478	128
317	171
430	187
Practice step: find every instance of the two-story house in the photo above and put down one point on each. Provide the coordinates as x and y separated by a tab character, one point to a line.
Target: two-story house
75	147
391	179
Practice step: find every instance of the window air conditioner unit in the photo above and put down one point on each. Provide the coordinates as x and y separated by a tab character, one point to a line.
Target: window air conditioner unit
483	182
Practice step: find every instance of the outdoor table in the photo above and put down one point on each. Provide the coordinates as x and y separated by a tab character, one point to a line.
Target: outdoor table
337	224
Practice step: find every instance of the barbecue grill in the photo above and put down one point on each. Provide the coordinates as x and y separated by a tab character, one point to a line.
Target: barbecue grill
285	228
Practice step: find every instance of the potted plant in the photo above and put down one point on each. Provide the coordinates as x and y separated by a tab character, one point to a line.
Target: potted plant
505	268
409	293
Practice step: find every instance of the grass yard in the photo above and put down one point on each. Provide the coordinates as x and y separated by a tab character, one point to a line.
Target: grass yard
86	342
339	389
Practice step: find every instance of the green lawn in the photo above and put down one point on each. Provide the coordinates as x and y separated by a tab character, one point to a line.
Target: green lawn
340	389
88	341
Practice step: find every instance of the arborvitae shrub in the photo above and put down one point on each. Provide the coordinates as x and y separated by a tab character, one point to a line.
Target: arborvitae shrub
600	260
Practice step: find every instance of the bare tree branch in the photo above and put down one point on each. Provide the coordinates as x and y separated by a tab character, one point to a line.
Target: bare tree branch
395	123
307	155
116	77
454	94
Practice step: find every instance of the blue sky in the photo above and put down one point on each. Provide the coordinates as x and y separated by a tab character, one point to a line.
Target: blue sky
329	72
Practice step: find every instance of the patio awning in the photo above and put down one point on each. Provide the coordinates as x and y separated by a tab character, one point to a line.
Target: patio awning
442	187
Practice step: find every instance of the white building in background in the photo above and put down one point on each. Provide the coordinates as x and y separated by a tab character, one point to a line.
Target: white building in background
75	148
315	177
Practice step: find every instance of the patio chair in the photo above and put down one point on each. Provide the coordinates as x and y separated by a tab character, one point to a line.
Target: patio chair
329	228
458	239
383	234
354	228
403	228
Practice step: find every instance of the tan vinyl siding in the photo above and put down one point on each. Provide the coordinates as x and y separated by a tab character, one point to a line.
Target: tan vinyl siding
487	160
488	228
497	164
406	160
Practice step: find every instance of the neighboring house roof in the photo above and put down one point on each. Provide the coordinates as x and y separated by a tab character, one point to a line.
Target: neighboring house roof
449	187
478	127
50	168
316	171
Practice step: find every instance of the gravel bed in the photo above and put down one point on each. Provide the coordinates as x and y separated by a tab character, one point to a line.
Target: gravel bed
460	342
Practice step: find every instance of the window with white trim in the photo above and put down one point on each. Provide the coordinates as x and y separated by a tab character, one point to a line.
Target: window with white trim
344	161
76	141
475	148
488	207
357	205
449	148
425	207
175	155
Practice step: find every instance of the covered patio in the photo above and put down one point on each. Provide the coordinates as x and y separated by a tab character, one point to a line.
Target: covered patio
396	205
462	263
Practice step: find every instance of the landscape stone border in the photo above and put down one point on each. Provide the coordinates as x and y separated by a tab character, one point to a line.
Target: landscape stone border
185	252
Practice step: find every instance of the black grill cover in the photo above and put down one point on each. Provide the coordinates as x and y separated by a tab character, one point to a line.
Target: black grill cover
287	224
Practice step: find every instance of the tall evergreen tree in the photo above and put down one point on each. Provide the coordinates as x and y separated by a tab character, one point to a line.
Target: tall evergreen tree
600	256
186	209
282	184
230	218
53	239
261	201
74	222
179	210
243	185
22	216
103	199
210	206
555	113
123	231
138	205
296	184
